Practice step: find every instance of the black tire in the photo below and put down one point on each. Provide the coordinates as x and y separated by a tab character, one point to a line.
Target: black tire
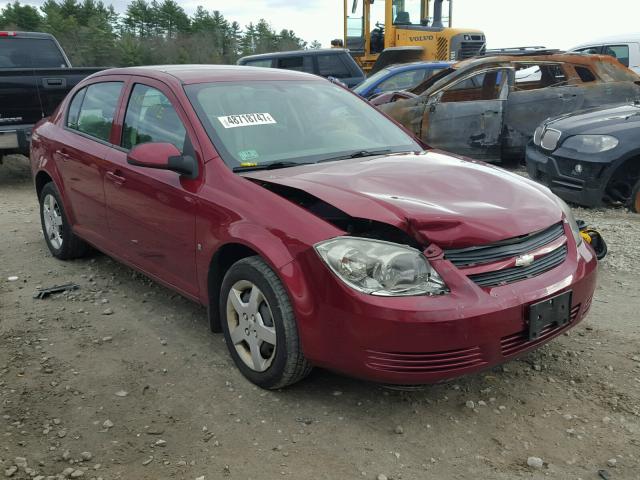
288	364
71	246
635	198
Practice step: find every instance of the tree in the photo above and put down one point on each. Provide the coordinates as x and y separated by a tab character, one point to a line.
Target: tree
20	17
172	19
315	45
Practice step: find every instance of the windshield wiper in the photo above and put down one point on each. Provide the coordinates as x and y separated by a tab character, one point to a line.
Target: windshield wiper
358	154
269	166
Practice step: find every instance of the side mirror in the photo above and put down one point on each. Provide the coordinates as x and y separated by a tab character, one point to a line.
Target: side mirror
163	156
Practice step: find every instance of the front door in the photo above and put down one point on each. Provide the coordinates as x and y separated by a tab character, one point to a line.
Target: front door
151	213
466	116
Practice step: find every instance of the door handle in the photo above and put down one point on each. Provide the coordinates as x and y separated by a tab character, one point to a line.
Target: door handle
63	154
115	178
54	82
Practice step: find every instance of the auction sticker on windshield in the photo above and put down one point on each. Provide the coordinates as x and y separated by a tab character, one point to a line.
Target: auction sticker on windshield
246	120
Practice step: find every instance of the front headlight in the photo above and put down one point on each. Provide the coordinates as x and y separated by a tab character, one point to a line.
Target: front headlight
591	143
380	268
571	220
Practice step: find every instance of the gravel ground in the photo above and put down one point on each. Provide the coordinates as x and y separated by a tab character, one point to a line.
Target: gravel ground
121	379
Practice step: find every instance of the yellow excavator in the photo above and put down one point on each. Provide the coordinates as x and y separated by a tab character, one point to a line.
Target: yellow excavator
408	34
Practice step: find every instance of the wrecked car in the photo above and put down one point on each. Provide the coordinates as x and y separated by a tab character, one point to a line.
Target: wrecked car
319	236
489	107
591	158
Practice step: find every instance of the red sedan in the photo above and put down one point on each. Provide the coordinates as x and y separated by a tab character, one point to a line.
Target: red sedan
316	230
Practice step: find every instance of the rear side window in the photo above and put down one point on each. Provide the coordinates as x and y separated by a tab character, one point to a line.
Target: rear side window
299	64
150	117
97	109
258	63
332	66
619	52
532	77
16	52
585	74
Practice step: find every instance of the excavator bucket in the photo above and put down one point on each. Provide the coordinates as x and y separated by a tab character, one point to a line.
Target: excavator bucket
397	55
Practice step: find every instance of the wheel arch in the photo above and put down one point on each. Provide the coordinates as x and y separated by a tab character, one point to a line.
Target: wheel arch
220	263
623	176
41	179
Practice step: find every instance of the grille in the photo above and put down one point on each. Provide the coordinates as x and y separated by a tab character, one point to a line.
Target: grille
516	343
550	139
425	362
471	49
443	48
516	274
467	257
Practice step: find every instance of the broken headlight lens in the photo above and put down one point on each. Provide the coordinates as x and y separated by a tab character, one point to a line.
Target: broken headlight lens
570	219
380	268
591	143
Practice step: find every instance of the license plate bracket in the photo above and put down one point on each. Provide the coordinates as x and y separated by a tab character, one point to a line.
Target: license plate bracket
552	311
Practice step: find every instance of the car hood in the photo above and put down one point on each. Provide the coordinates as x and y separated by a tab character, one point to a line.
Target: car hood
598	120
432	196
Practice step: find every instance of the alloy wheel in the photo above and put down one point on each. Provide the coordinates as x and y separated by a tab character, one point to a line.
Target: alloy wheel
52	221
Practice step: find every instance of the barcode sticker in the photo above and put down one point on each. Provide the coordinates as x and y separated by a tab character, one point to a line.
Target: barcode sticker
246	120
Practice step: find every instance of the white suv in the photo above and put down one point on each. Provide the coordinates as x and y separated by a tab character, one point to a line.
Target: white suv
626	48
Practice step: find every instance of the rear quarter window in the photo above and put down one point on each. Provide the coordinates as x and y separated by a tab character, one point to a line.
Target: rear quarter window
585	74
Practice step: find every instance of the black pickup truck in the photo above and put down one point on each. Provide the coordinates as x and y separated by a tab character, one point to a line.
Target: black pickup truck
35	75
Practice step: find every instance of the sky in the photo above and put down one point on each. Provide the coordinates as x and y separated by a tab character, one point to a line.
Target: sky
507	23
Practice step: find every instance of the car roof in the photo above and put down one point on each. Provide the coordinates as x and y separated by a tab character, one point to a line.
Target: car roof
412	65
620	38
27	34
555	56
296	53
189	74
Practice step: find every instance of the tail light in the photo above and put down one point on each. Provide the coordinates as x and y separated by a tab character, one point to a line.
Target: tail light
7	34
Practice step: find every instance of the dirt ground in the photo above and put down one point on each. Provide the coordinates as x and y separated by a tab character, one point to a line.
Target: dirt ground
123	380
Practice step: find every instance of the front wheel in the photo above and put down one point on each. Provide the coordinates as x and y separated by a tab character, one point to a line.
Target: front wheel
635	198
259	325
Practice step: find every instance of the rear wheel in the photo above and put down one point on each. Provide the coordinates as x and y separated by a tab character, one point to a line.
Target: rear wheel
259	326
61	240
635	198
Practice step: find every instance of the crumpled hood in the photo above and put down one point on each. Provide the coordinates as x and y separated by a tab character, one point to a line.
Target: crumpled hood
433	196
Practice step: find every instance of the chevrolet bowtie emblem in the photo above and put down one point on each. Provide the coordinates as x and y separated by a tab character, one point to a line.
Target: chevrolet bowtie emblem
524	260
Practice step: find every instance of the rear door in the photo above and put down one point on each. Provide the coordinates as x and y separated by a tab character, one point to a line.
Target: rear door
540	91
333	65
80	149
151	213
466	116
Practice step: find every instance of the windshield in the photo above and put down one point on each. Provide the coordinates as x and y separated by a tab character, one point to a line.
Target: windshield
16	52
261	122
372	80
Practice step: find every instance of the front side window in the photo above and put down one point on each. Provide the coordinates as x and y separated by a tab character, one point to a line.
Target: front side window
97	109
150	117
619	52
407	12
482	86
262	122
332	66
